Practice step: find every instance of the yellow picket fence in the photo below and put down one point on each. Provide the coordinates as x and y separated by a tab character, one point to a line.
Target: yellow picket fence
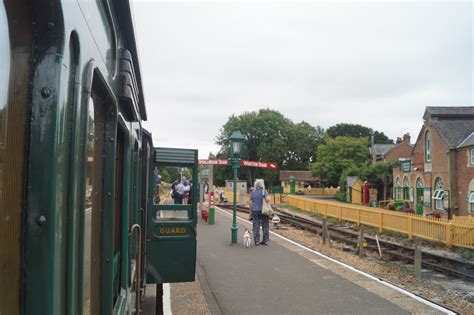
450	233
274	198
322	191
465	220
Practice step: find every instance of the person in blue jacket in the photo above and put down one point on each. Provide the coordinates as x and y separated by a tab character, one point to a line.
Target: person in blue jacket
256	204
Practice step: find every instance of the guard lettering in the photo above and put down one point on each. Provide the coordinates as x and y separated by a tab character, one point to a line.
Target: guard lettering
178	230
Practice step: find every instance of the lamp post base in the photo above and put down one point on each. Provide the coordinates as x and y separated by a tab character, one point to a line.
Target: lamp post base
234	230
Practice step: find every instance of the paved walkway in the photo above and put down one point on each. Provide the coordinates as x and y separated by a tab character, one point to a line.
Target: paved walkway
277	279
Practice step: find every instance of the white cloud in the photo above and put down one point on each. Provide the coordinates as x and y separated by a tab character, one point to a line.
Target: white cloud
377	64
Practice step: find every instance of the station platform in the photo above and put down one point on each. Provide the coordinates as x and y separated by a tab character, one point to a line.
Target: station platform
286	278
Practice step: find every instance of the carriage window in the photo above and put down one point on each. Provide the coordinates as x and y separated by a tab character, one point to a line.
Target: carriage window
94	123
4	78
90	137
173	186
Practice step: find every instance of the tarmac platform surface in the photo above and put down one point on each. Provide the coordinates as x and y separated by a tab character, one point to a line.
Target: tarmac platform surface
279	279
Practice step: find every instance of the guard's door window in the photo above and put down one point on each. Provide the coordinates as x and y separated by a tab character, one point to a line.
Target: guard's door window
173	186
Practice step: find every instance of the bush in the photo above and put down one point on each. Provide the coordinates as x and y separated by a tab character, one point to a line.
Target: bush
341	196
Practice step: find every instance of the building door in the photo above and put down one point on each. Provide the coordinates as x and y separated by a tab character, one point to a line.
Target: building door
419	196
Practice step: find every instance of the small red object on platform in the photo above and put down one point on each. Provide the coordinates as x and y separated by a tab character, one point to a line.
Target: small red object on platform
204	214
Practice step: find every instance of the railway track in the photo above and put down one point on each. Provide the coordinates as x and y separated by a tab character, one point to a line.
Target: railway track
393	251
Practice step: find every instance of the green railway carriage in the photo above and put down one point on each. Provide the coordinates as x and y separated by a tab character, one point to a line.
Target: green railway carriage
74	159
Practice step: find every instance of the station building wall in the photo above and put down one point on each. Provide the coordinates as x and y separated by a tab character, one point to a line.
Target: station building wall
465	181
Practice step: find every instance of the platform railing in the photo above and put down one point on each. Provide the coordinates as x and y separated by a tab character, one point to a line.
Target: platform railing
456	232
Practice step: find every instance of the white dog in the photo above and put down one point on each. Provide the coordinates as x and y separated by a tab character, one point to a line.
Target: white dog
247	238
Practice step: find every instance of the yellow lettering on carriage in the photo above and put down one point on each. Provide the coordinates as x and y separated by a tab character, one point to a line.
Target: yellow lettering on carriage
178	230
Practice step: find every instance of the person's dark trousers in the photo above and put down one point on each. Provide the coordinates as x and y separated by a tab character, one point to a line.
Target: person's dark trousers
178	200
259	219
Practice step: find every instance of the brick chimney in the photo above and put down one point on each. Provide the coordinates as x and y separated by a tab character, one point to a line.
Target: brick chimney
399	140
407	138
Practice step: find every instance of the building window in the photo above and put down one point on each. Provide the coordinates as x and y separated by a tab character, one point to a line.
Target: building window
428	146
472	156
438	195
406	188
471	202
397	193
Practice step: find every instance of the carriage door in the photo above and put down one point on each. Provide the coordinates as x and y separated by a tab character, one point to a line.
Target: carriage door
172	216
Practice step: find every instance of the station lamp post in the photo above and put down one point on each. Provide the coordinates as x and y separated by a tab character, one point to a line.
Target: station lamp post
236	139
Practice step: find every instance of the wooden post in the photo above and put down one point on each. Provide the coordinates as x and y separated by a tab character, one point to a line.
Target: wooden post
358	216
417	265
381	222
449	234
323	231
410	226
378	245
361	241
326	230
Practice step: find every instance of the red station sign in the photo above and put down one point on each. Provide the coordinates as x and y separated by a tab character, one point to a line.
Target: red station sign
268	165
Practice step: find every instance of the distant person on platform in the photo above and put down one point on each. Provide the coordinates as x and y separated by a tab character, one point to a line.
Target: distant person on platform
256	204
187	189
179	195
309	188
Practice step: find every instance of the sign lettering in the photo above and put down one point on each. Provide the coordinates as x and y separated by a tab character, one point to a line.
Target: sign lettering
177	230
214	162
268	165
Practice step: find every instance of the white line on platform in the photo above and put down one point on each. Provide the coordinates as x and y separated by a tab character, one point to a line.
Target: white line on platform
166	299
388	284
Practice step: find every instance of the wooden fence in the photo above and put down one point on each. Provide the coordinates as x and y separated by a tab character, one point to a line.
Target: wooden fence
274	198
457	232
322	191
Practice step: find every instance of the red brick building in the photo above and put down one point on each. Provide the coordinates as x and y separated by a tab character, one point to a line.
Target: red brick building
438	176
392	152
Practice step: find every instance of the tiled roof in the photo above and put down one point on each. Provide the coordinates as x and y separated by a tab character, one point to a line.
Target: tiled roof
454	131
298	175
468	142
454	124
447	111
383	149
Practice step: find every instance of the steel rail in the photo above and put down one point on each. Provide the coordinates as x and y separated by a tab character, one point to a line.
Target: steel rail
445	265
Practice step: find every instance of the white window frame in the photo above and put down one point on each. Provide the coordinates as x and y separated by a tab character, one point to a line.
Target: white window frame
428	148
471	202
398	192
472	156
439	197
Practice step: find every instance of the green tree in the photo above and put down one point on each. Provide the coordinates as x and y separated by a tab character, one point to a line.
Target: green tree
270	136
357	131
303	139
337	155
379	175
266	139
384	174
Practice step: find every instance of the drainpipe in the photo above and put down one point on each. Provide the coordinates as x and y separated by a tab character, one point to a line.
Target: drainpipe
453	181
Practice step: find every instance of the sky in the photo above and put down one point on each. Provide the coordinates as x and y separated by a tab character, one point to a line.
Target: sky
378	64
